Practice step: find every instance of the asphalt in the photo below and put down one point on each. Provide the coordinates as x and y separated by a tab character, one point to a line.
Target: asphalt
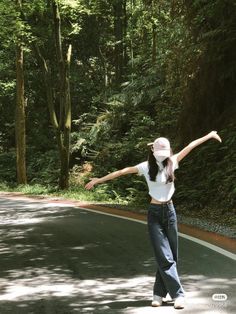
59	258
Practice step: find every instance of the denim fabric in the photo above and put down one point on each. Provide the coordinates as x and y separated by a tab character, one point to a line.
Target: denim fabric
162	227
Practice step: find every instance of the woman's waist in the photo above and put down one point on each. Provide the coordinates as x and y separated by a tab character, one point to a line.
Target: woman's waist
161	208
154	201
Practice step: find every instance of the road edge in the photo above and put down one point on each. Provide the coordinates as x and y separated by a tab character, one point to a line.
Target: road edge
223	242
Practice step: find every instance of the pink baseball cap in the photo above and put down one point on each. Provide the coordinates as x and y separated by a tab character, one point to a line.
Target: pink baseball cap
161	146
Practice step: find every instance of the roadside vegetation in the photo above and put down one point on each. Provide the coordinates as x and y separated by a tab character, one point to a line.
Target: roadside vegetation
96	81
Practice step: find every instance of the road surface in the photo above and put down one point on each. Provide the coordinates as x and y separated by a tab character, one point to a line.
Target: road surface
60	259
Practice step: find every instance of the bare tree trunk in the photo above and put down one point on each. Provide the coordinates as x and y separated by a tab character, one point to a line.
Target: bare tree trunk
61	124
154	36
20	114
131	39
105	70
119	19
125	25
64	129
154	43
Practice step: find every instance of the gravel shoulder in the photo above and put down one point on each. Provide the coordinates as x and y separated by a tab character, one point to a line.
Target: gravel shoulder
205	224
225	227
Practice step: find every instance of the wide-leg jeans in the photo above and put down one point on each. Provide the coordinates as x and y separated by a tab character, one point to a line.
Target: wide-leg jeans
162	227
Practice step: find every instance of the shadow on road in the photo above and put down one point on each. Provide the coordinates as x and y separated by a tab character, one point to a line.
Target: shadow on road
57	259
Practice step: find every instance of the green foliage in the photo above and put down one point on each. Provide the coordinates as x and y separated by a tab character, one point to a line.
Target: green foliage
34	189
7	166
44	169
178	81
206	178
211	67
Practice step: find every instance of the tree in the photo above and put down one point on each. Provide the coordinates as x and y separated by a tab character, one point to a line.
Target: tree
20	110
120	26
64	128
61	125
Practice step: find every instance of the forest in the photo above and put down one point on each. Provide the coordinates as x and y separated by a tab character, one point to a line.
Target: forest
86	84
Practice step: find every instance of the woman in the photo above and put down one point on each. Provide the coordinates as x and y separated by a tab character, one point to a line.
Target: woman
158	171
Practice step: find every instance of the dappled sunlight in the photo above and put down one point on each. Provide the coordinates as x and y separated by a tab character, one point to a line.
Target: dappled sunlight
84	247
19	291
126	287
25	213
131	295
65	260
21	221
30	283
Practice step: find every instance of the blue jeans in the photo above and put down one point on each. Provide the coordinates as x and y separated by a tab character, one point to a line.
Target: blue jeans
162	227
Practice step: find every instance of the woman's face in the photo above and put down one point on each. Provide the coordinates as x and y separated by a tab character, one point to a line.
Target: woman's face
158	157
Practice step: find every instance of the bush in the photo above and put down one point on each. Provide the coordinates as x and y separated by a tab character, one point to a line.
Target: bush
43	167
8	166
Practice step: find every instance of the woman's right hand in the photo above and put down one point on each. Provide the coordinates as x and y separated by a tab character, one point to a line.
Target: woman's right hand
213	134
91	184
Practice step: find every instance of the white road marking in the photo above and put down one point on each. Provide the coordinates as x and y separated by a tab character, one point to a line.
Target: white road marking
209	246
196	240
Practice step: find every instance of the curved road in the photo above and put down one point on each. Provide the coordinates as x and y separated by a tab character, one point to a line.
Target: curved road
59	259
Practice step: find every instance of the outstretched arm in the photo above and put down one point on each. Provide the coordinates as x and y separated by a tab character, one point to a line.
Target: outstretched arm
111	176
184	152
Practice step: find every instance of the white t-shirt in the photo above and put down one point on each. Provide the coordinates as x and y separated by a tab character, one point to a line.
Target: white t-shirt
159	189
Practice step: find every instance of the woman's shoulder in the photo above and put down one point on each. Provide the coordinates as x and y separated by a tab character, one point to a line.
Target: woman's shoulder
143	163
142	167
174	159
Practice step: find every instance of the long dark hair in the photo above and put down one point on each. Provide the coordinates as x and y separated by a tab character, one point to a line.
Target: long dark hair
154	168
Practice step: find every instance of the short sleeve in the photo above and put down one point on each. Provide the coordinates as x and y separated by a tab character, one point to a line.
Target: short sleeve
142	168
175	162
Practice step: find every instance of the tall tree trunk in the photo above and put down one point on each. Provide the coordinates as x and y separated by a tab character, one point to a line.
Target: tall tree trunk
154	43
105	71
61	124
20	114
132	4
64	129
125	26
154	34
119	22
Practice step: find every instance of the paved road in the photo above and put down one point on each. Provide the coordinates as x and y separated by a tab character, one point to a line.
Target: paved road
56	259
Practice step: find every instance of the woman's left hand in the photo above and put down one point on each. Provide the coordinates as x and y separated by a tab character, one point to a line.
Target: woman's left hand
91	184
213	134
